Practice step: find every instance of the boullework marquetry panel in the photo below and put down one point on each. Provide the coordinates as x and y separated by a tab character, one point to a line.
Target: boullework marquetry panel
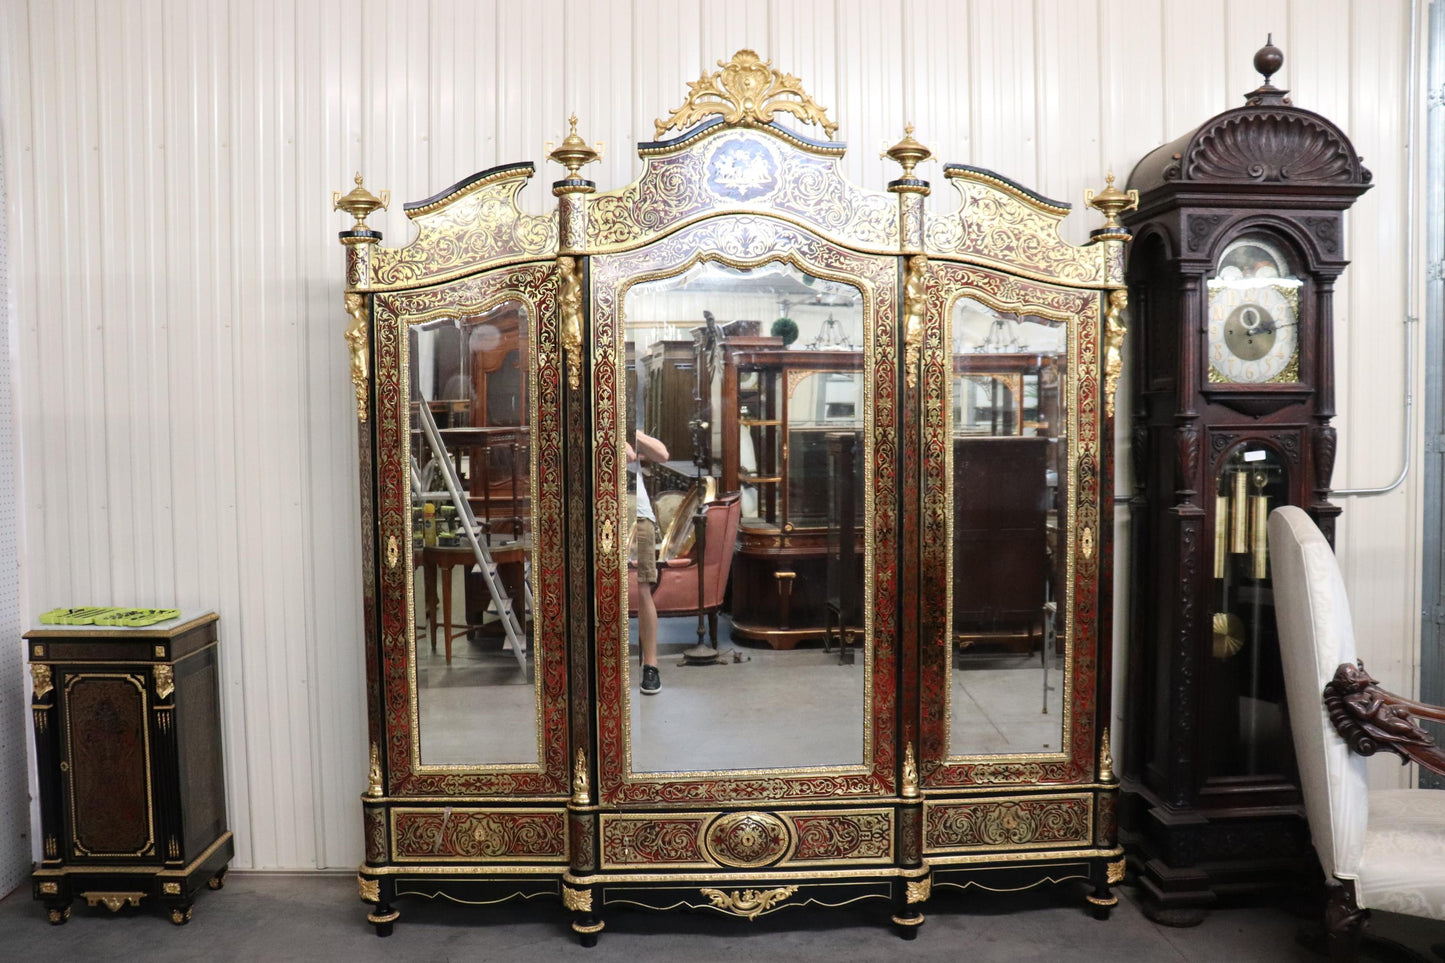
869	450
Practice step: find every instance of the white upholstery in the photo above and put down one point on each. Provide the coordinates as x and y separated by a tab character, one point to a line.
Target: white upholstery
1316	634
1392	843
1402	869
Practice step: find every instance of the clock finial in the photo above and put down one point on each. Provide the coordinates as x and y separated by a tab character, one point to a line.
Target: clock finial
1267	60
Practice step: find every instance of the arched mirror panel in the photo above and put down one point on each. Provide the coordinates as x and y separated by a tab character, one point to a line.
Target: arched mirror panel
784	396
1012	421
467	418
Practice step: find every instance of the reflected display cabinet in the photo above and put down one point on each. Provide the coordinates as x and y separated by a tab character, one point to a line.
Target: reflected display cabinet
1239	242
932	420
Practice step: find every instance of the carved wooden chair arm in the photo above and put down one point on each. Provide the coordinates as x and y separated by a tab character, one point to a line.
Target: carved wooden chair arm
1369	719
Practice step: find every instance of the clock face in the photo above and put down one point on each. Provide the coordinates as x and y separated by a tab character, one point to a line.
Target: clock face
485	337
1253	316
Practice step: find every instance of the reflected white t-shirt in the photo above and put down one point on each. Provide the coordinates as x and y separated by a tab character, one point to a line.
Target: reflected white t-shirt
644	503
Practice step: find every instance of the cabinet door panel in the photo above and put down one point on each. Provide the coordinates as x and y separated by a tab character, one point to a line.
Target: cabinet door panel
108	755
804	434
1010	529
467	449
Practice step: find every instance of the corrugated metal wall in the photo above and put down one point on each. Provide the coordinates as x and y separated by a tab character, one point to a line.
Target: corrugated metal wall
187	424
14	732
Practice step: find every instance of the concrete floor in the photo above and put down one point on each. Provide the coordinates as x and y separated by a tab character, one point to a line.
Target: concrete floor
317	918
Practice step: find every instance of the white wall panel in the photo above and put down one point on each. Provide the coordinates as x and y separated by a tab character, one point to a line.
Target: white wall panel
14	733
1369	352
187	432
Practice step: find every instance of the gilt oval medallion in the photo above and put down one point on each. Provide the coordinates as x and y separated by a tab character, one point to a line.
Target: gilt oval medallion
746	840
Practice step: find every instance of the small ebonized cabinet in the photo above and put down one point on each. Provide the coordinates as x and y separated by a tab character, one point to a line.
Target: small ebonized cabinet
128	747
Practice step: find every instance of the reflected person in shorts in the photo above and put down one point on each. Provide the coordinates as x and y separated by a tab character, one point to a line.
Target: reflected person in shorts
646	542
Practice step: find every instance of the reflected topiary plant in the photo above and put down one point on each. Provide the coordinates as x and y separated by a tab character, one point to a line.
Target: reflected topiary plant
785	328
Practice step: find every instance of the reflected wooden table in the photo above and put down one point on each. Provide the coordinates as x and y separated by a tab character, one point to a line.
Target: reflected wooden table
437	562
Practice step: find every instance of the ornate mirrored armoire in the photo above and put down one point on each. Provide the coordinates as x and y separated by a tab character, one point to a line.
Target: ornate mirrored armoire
908	483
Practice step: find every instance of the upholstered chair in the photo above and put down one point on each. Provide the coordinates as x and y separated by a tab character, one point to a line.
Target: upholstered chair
676	592
1382	849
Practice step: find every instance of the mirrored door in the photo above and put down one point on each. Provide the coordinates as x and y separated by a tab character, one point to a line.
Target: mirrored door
1008	504
471	509
1011	421
770	686
471	472
766	487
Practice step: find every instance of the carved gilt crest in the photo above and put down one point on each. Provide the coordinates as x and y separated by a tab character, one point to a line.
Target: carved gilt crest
748	91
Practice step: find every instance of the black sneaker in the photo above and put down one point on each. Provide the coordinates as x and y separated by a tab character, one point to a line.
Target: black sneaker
651	680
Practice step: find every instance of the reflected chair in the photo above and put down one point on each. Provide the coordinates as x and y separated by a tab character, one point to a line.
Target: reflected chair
1382	849
676	593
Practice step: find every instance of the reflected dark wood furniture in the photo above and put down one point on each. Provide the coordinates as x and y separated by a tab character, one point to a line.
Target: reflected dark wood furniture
781	569
1014	373
497	488
128	749
1211	802
671	376
437	562
1000	540
843	617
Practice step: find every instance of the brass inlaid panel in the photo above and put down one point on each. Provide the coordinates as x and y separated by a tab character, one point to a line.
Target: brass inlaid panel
108	758
747	170
479	834
1002	225
651	840
375	828
823	837
746	840
1033	821
473	226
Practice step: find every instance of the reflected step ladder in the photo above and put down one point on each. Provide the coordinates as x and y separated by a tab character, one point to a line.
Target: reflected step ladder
491	575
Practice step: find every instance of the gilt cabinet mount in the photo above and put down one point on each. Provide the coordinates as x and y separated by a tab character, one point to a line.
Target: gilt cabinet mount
870	443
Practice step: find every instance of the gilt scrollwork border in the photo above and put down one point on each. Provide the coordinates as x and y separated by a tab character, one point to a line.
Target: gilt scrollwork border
535	287
745	241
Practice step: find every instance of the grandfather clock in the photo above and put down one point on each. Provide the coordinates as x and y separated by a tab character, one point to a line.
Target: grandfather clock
1238	242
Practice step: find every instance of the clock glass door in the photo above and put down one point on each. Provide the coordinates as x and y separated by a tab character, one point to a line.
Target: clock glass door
1243	682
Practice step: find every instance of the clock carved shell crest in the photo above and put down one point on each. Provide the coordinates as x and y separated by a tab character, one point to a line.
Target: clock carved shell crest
1278	145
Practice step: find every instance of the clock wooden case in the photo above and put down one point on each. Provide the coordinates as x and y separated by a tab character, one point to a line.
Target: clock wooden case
943	755
1239	242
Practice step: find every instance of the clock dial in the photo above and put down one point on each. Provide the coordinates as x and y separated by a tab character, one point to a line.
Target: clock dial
1253	316
485	337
